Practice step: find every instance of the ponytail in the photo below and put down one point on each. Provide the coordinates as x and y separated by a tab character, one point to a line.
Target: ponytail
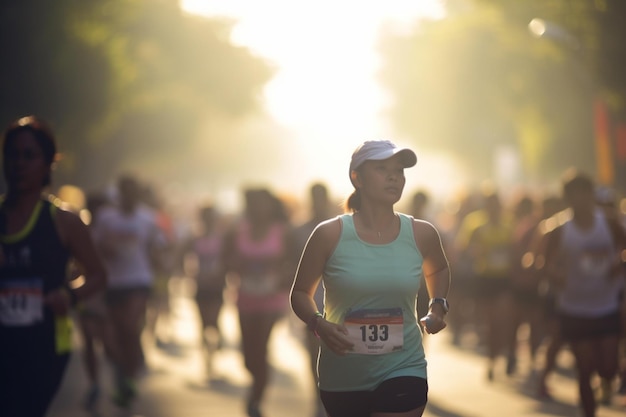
353	203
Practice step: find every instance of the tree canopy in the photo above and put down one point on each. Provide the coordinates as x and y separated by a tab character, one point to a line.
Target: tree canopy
479	80
121	80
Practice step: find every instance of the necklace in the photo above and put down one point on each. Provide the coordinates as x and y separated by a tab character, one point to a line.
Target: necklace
371	230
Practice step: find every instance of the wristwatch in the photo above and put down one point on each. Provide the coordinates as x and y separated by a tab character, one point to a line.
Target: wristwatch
442	301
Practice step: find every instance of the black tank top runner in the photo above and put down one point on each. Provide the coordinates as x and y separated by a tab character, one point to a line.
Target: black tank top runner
33	262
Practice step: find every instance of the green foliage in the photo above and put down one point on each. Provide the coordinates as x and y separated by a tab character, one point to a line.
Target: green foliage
121	80
478	79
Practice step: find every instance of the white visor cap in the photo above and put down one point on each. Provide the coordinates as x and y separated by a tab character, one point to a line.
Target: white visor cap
378	150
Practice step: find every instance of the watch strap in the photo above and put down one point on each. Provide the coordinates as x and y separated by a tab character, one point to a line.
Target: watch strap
439	300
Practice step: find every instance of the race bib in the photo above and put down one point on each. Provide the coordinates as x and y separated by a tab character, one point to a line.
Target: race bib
21	302
375	331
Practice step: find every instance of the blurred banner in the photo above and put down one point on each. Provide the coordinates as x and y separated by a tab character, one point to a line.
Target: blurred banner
604	156
620	147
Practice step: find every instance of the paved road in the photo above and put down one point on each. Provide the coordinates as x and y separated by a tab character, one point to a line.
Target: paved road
176	383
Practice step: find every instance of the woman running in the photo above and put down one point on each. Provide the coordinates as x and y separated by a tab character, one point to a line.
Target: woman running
37	239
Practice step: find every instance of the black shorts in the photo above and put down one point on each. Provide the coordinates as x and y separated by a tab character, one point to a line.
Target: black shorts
583	328
396	395
209	296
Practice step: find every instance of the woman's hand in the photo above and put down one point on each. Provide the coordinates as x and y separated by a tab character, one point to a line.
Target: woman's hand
433	322
334	336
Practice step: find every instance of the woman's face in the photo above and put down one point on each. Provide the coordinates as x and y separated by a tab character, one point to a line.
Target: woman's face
260	206
129	192
25	167
208	218
382	180
581	200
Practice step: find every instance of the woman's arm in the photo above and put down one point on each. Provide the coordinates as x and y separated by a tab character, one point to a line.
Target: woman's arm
318	249
228	256
78	239
552	266
291	258
436	272
311	266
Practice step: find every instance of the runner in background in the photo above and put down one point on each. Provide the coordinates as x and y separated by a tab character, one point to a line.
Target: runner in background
259	253
491	247
581	257
525	280
622	387
320	209
202	260
608	202
38	240
94	323
158	309
129	239
467	215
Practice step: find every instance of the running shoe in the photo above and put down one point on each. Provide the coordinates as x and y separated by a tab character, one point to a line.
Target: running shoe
253	410
543	394
622	387
91	398
490	373
511	365
125	393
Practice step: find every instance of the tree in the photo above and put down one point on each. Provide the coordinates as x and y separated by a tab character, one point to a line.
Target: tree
477	80
121	81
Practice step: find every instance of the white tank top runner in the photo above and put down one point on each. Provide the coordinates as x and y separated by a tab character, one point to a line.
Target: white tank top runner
591	290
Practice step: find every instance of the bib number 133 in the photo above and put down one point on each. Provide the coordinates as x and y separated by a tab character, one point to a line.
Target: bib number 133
375	331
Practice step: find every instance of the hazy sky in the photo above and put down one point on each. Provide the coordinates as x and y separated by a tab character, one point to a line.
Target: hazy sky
325	90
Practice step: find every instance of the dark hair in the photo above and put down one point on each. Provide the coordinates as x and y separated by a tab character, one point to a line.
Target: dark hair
318	189
524	206
207	213
353	202
130	191
95	201
252	195
420	198
40	131
550	205
491	197
575	181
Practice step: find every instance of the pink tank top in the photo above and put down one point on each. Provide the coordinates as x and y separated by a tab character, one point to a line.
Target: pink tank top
271	246
260	289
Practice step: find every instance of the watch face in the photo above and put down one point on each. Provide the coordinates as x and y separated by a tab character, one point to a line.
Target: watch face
442	301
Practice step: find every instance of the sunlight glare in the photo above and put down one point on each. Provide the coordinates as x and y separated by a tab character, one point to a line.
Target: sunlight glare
325	88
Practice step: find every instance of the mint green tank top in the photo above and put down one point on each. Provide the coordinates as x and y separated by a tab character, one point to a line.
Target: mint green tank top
372	290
